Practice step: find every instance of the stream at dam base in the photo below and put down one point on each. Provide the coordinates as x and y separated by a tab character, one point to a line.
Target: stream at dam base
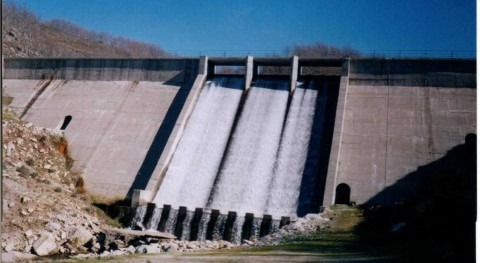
245	163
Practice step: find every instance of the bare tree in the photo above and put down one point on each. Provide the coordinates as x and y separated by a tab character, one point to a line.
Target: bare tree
321	50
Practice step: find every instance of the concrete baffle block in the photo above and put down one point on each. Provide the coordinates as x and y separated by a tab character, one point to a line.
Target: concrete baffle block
195	224
162	225
149	213
266	225
182	215
285	220
211	224
247	226
228	232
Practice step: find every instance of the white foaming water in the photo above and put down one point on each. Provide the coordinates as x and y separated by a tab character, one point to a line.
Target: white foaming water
243	181
155	219
285	186
191	174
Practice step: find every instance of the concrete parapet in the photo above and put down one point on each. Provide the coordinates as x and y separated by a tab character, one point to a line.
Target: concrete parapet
414	72
102	69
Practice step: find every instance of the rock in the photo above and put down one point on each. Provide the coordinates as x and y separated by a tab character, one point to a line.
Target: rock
190	245
10	205
10	148
9	247
172	247
54	226
26	170
117	253
28	233
313	216
105	253
153	249
141	249
248	242
45	244
130	249
80	237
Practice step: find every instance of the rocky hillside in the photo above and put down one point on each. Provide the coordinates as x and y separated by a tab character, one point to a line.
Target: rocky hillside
25	35
45	209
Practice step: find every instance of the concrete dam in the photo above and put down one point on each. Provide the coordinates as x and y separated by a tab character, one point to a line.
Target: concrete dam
232	148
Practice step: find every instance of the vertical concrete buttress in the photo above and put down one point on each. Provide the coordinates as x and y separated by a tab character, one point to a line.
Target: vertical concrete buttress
294	74
248	72
332	173
203	65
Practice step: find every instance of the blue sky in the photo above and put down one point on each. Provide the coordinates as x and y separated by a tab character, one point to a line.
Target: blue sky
214	25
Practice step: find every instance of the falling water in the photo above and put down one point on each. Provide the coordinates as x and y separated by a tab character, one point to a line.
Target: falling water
137	220
257	222
219	228
190	176
202	227
171	221
267	165
186	226
285	186
154	220
243	181
237	230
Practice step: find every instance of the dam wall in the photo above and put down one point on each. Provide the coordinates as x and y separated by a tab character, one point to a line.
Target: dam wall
401	117
386	119
125	115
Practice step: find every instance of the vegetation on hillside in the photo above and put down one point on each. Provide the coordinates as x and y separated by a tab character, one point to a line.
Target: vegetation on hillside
24	34
321	50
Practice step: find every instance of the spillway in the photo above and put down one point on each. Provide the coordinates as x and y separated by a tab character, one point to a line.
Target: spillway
243	180
292	154
194	166
260	166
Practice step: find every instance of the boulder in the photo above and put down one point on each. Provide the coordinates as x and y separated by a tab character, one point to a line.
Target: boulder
153	249
172	247
80	237
141	249
191	245
9	247
45	244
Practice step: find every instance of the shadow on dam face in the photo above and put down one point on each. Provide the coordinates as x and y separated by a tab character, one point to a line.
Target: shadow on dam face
160	140
432	208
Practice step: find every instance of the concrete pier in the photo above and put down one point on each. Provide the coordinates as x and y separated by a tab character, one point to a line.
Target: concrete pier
294	74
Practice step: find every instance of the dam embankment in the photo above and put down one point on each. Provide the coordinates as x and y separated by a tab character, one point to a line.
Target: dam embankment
386	119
